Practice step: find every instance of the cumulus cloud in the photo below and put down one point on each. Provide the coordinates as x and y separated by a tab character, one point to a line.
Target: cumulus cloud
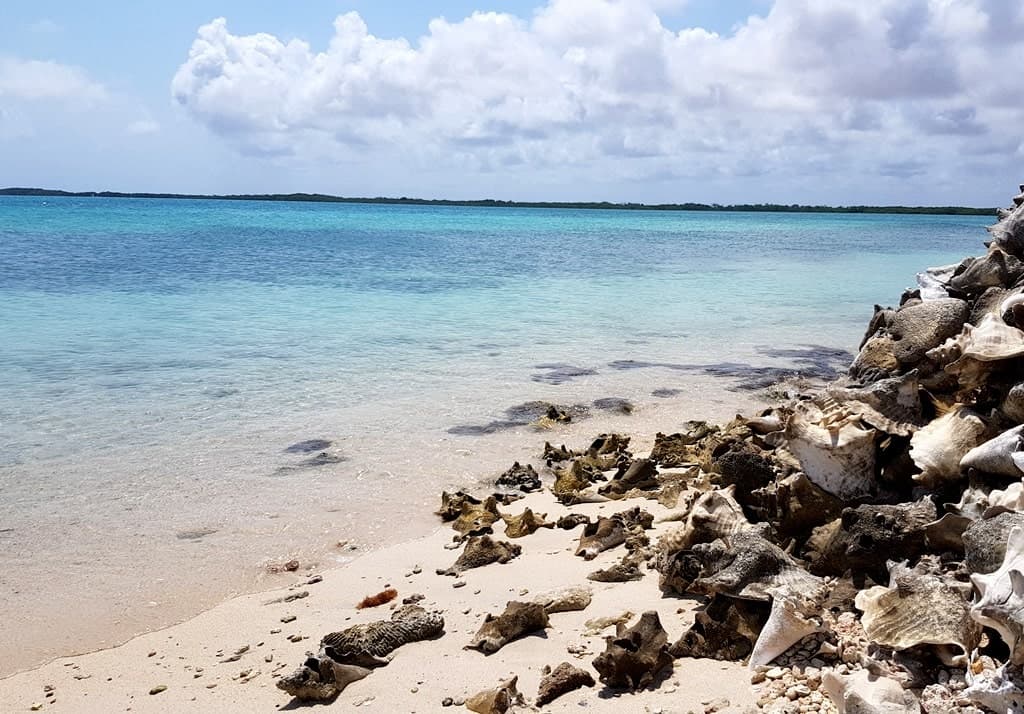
35	80
898	88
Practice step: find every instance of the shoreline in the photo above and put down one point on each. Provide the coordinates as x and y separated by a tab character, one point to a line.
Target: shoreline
487	456
188	657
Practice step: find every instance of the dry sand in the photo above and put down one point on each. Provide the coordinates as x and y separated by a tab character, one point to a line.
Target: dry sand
189	659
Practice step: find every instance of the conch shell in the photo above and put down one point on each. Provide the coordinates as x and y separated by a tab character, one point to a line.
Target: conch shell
794	616
836	453
938	448
1001	456
917	608
1001	596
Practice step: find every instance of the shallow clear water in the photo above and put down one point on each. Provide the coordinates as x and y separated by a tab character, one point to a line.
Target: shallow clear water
158	357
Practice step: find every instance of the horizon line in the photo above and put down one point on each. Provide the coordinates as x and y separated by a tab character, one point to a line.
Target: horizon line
302	197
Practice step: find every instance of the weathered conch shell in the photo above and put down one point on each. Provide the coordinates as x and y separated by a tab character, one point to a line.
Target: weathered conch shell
1001	596
835	451
864	693
985	541
917	608
1008	233
993	270
1013	403
991	341
938	448
795	615
496	701
1001	456
932	282
715	514
748	566
525	523
891	405
636	655
725	629
994	688
1010	498
480	551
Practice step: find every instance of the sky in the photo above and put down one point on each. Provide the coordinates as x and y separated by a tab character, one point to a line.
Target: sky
786	101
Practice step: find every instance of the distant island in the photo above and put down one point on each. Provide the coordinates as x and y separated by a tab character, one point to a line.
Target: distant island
606	205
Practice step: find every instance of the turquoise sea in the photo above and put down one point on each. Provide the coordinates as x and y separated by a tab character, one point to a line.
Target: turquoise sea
190	390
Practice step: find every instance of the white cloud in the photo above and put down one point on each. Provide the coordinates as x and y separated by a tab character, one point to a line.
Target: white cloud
35	80
894	88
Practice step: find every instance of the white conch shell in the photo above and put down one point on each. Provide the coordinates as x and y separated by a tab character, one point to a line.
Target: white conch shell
994	689
836	453
1008	302
891	405
715	514
917	609
865	693
992	340
1010	498
938	448
1000	604
1001	456
932	281
1013	403
794	616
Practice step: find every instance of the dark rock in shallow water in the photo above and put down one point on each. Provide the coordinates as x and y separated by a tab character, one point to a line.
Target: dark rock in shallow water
528	412
561	373
614	404
324	458
812	361
481	429
523	415
308	446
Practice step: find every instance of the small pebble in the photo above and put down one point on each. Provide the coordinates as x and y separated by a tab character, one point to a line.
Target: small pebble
459	584
446	702
288	618
775	673
158	688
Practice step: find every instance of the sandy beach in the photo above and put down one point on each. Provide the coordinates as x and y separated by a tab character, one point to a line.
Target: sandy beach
195	660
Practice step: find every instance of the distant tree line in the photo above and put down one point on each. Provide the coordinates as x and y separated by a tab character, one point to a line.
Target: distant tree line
323	198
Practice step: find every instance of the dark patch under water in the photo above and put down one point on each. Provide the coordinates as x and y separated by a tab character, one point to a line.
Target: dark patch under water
519	415
308	446
812	361
664	393
614	404
561	373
